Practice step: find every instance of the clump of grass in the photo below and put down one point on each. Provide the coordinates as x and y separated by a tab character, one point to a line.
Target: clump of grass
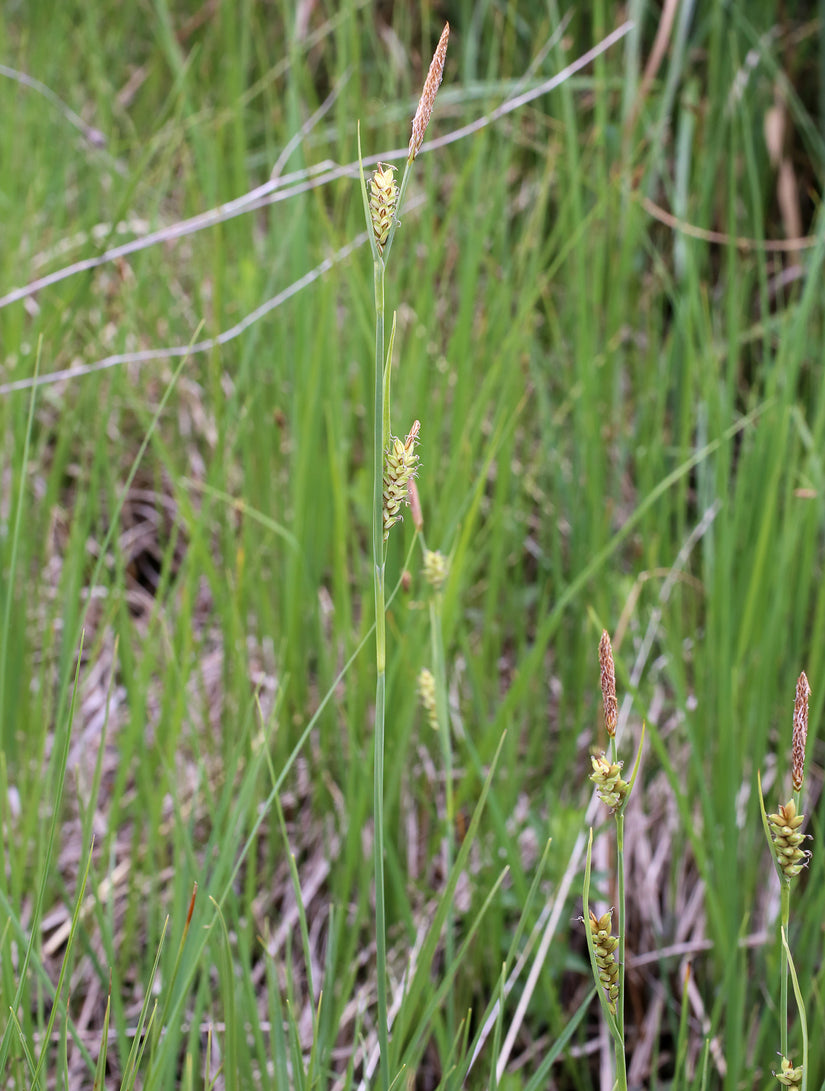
783	830
394	464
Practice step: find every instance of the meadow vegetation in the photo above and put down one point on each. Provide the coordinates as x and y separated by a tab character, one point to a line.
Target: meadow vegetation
606	295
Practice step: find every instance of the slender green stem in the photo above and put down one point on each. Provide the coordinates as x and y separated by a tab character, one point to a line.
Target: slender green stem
800	1004
378	462
785	913
380	440
440	675
601	992
380	912
621	1060
380	684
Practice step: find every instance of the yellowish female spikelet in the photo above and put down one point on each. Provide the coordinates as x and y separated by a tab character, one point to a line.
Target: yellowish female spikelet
606	776
427	100
788	838
435	568
383	201
605	946
789	1076
400	464
608	673
426	693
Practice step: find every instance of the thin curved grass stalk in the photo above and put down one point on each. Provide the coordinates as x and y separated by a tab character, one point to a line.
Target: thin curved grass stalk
44	1053
608	1010
433	692
784	919
620	878
800	1004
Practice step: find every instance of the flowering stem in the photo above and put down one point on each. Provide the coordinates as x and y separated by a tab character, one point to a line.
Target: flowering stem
620	883
439	668
380	684
621	1060
785	914
381	206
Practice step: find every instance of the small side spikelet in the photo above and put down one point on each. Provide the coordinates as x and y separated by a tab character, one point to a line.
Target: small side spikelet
436	568
400	464
789	1076
788	838
426	693
609	784
383	201
605	946
427	100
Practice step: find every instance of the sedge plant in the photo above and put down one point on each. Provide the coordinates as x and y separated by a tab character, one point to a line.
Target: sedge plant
783	829
394	466
606	938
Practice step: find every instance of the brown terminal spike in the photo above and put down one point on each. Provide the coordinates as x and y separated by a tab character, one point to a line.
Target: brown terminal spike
800	731
427	100
608	670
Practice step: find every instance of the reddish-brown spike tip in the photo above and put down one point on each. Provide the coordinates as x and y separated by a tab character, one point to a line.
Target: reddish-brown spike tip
800	731
427	100
608	679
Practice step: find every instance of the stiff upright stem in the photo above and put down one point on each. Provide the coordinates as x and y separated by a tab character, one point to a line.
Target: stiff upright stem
621	1062
785	916
439	667
379	440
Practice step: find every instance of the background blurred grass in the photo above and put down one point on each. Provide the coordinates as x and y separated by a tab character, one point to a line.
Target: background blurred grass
594	384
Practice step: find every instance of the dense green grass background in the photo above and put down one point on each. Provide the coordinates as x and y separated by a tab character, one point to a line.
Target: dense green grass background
622	427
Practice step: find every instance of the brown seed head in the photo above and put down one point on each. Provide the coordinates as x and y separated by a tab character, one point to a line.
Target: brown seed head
611	708
427	100
800	731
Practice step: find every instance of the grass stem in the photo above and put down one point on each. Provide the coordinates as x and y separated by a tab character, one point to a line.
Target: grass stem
379	440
